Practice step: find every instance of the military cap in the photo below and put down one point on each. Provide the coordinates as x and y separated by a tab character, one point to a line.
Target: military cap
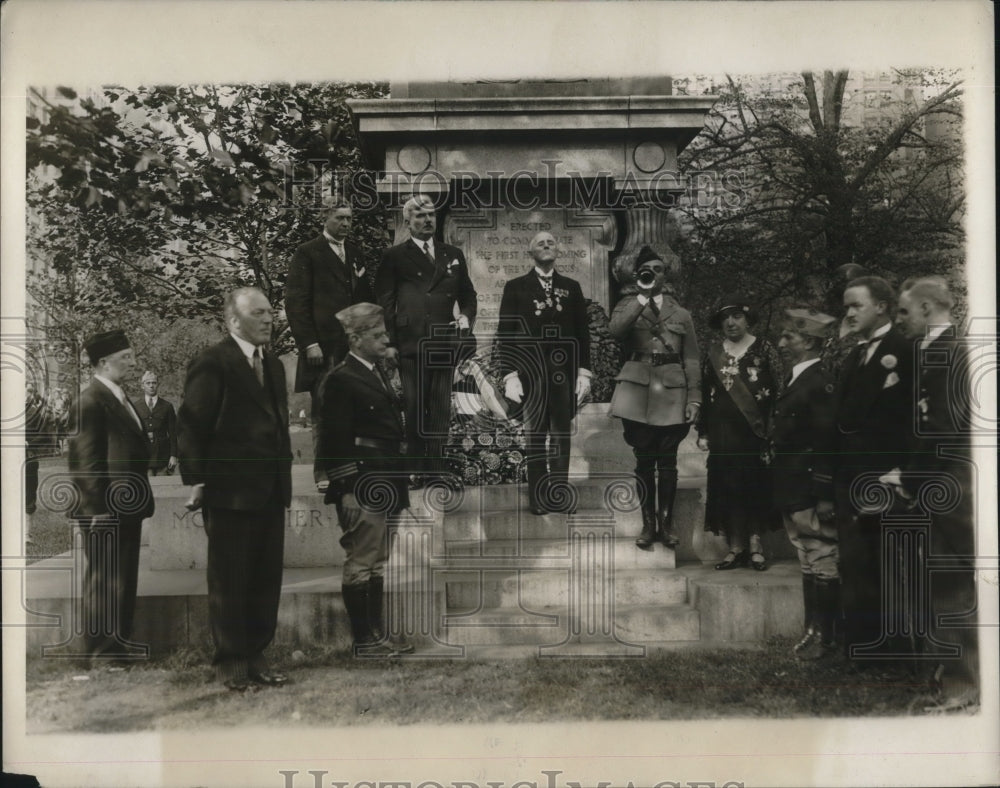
732	302
810	322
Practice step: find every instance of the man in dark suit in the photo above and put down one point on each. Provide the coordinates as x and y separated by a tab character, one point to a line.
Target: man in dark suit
420	283
325	275
942	426
874	429
160	423
236	455
543	338
362	451
108	457
802	441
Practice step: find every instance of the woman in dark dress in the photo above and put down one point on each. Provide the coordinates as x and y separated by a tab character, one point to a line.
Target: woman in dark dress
741	374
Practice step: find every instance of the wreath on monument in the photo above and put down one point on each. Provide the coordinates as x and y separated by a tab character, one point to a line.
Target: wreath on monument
486	445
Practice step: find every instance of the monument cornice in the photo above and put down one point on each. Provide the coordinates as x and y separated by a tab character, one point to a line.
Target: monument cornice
381	122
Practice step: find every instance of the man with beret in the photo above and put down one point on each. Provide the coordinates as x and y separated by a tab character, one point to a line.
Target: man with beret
326	274
420	284
658	395
108	458
160	422
543	338
874	430
236	455
802	441
362	451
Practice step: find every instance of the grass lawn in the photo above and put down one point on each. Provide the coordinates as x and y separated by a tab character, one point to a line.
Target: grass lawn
329	689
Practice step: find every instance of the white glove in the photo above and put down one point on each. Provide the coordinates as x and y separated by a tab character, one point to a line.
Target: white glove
642	299
512	389
582	387
462	322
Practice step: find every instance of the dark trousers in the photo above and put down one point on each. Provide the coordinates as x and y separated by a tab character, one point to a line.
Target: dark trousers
861	574
548	413
245	559
109	583
427	398
655	447
30	485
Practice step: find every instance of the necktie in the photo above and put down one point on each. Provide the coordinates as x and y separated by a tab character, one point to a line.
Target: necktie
381	377
338	249
258	366
654	307
427	252
149	403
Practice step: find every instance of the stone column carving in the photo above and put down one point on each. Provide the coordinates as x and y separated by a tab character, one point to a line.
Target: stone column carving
645	225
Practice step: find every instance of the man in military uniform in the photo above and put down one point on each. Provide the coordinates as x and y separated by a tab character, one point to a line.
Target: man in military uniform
362	451
658	395
802	439
160	424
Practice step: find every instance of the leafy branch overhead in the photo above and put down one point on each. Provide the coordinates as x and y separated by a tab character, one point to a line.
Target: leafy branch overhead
162	198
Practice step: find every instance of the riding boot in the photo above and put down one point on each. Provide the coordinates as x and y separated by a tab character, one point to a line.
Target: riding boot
667	493
376	617
356	602
827	604
810	630
646	487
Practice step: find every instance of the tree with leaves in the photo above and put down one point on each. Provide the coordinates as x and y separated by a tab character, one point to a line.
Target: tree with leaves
146	205
811	182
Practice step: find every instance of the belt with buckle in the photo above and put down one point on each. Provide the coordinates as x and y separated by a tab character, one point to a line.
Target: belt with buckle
381	445
656	359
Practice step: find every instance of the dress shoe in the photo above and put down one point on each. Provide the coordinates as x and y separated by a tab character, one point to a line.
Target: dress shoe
240	684
733	560
269	678
401	646
669	539
374	650
760	564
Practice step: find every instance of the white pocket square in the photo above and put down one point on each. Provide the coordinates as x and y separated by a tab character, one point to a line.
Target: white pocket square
890	380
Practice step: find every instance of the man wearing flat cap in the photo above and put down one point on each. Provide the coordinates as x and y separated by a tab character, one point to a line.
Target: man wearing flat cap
658	392
362	451
803	436
108	458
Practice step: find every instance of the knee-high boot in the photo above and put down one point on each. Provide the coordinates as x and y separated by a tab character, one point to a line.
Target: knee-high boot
827	607
356	602
376	617
646	487
666	494
810	630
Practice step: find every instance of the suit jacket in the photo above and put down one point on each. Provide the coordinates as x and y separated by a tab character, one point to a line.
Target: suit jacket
319	285
803	438
161	424
874	408
524	314
941	415
417	295
108	457
233	432
644	393
357	405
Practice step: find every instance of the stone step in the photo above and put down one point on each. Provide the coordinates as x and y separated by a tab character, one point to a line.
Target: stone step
552	625
537	588
512	554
